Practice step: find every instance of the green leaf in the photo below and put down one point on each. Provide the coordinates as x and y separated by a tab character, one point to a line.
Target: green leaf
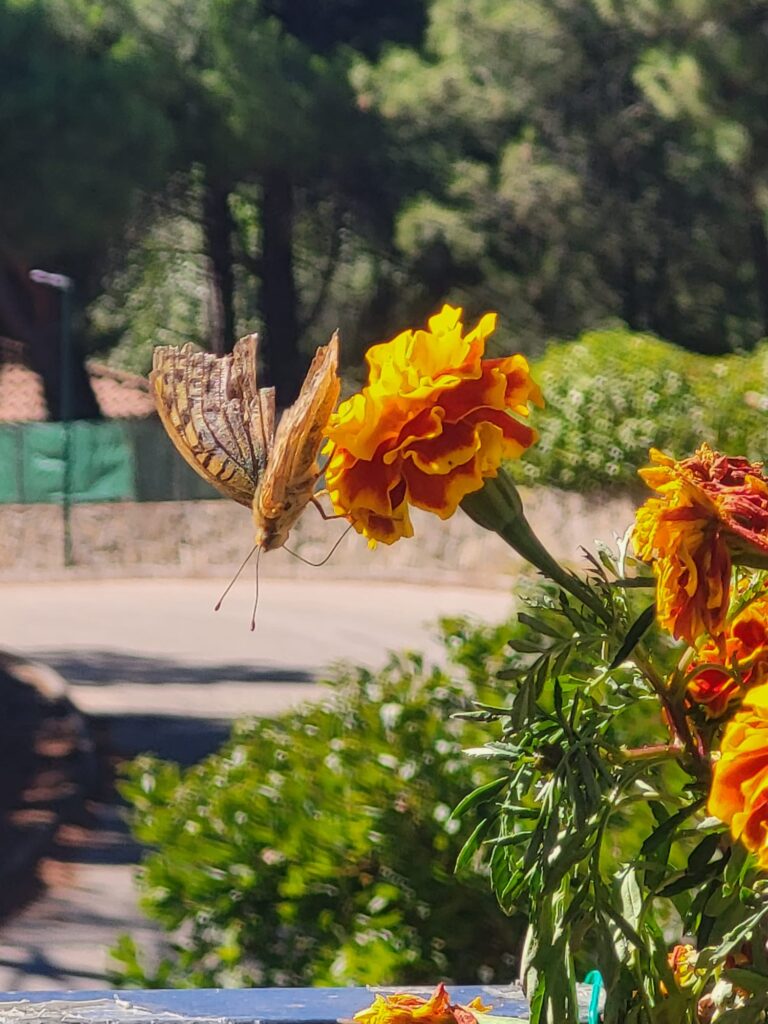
736	936
539	626
636	632
751	980
631	897
480	795
623	926
525	646
699	859
472	844
668	827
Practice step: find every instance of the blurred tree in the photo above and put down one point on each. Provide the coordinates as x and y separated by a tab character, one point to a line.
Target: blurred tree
550	186
264	107
703	68
81	135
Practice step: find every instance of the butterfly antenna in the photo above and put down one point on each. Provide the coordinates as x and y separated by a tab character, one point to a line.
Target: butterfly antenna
306	561
232	582
256	595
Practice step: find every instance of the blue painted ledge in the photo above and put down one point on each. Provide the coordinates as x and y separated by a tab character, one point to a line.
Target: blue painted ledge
230	1006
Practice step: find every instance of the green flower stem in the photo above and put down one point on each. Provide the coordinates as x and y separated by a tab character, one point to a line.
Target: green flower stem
653	752
498	507
676	717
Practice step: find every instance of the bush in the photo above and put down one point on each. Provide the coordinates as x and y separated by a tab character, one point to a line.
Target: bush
318	848
611	395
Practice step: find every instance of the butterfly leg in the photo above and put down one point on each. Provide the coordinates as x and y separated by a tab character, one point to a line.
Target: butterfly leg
320	508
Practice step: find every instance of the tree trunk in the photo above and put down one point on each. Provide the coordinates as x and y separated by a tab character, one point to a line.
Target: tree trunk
217	228
284	364
759	241
31	313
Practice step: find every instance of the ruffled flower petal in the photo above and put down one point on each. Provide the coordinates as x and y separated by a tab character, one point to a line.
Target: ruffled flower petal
433	422
710	510
724	669
404	1008
739	792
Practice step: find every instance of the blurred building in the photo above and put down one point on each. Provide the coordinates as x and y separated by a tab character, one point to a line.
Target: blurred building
124	456
119	395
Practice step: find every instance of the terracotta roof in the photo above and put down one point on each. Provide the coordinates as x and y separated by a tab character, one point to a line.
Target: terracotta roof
120	395
21	389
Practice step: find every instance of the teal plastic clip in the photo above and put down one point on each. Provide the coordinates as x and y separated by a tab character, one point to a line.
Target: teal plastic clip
595	979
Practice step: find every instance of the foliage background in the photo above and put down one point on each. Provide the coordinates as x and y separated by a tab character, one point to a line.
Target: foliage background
611	395
318	848
294	167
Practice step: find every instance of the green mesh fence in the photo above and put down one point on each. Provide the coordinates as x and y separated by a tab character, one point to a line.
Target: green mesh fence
113	460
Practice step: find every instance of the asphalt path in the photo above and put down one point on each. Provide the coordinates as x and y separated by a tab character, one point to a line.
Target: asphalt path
158	645
156	669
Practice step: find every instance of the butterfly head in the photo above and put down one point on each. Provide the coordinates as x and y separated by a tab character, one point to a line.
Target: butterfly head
273	521
272	530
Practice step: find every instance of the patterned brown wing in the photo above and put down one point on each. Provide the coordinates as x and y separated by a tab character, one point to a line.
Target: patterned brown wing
292	469
215	414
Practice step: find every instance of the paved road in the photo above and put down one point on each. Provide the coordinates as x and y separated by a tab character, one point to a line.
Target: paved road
115	641
158	670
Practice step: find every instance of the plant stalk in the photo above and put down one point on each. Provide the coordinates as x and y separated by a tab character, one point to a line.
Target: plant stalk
497	506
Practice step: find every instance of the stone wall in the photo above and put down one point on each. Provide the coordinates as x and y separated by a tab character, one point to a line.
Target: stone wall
210	538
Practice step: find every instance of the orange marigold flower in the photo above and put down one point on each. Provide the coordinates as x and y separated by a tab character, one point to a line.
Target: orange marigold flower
403	1008
433	422
682	960
710	509
739	793
738	661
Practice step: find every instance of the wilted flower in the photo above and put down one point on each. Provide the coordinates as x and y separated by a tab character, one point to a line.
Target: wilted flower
403	1008
739	791
723	670
433	422
711	510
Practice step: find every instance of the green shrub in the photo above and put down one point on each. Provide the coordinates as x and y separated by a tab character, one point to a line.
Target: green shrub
318	847
611	395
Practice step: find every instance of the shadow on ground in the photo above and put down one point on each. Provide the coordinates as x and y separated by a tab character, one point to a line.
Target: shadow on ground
96	667
173	738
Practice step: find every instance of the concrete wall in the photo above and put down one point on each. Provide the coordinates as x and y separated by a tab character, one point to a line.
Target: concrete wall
210	538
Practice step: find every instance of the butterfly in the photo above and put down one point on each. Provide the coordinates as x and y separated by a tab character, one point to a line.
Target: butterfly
223	424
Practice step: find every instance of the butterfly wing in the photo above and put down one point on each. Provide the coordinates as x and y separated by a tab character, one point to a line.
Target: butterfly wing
215	414
292	470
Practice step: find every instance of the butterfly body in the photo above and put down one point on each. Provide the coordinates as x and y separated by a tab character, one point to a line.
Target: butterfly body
223	425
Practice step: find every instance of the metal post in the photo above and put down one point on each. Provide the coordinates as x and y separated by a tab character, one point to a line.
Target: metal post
64	285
